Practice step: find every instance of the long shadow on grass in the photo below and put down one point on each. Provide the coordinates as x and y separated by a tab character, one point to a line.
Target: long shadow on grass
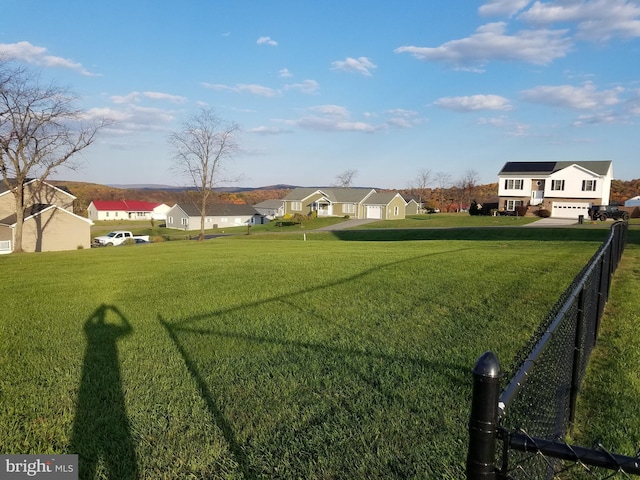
473	233
101	432
454	374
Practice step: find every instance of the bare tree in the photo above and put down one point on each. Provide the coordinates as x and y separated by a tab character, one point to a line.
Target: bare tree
199	150
41	130
444	182
345	179
466	185
419	185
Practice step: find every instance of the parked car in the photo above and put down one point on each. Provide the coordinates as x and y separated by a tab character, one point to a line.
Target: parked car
118	237
602	212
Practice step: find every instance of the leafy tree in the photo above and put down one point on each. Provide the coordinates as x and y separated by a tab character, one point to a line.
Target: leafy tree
41	130
199	150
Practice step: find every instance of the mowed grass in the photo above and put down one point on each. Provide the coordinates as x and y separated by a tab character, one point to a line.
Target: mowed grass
265	357
608	410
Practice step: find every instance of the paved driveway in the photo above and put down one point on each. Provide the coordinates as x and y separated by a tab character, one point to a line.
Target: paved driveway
347	224
552	222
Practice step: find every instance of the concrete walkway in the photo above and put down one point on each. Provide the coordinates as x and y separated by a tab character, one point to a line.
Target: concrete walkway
347	224
552	222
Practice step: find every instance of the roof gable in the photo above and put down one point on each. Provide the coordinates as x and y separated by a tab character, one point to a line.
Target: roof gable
12	181
36	210
382	198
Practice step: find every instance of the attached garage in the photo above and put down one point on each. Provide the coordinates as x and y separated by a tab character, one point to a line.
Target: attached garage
570	209
374	211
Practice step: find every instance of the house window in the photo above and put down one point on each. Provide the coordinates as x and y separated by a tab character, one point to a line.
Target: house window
184	221
169	220
348	208
588	185
106	214
512	204
296	205
557	184
514	184
396	210
116	214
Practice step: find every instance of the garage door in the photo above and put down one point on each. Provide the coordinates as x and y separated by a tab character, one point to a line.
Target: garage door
374	212
569	209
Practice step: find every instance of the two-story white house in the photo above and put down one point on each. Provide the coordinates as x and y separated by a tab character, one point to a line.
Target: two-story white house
566	189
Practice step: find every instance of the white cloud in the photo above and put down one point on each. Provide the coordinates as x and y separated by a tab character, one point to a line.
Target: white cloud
596	20
306	86
263	130
474	103
165	97
253	89
26	52
335	118
136	97
509	127
598	119
586	97
285	73
133	119
267	41
403	118
502	7
490	42
360	65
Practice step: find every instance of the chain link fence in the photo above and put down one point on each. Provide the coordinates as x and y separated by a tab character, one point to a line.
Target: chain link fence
517	432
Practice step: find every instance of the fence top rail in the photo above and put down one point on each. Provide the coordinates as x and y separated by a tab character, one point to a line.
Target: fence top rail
519	379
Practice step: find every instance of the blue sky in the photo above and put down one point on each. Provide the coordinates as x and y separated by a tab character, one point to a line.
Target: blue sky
320	87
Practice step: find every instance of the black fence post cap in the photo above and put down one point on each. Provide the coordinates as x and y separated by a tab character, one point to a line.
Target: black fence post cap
488	366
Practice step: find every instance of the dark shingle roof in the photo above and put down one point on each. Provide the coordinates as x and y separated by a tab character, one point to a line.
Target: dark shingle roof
334	194
381	198
219	210
600	167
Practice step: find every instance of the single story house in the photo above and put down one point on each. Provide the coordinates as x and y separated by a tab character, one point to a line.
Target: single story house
49	221
270	208
126	210
566	189
342	201
187	216
47	228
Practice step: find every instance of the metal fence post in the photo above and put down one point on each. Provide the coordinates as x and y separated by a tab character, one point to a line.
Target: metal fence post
578	352
483	421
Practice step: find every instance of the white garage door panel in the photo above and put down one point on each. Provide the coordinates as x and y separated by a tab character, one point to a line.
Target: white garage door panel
569	209
374	212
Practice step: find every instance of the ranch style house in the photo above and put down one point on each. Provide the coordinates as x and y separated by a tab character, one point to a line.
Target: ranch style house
342	201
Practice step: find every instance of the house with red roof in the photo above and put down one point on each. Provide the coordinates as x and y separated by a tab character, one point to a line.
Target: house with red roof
127	210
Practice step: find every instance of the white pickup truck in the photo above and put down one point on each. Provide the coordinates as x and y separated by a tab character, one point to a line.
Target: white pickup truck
118	237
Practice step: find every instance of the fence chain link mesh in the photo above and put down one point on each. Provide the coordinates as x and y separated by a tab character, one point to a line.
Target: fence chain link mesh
547	372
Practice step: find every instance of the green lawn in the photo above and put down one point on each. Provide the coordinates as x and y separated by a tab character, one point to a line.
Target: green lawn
608	408
267	356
